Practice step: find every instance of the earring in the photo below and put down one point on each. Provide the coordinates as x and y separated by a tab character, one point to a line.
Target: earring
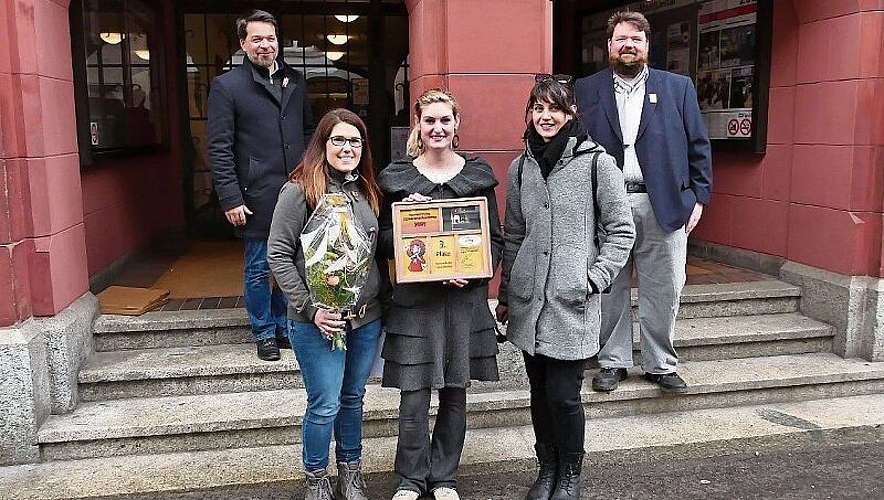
455	142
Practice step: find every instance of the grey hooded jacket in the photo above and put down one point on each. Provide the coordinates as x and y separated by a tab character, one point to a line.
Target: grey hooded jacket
552	269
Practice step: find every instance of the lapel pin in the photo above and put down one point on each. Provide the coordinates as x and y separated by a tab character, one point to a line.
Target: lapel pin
651	97
285	82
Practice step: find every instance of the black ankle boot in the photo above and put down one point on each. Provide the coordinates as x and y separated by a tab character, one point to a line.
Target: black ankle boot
568	484
548	468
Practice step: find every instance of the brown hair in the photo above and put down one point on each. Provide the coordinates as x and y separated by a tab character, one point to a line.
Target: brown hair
552	92
415	145
636	19
253	16
312	172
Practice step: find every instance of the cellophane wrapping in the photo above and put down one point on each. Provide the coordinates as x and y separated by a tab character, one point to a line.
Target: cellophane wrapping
337	256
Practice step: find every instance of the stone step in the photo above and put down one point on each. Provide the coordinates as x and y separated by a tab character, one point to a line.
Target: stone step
175	423
235	367
165	329
226	326
270	471
173	371
736	299
706	339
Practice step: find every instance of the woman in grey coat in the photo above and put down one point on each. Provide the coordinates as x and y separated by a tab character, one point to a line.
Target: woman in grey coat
555	266
440	335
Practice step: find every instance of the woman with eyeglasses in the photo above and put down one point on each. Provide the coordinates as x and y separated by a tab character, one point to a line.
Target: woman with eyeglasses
337	160
568	230
439	335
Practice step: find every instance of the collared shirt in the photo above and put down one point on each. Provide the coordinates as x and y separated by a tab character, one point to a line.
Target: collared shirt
630	96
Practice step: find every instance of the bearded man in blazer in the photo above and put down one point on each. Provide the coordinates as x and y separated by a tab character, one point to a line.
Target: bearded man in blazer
259	124
649	120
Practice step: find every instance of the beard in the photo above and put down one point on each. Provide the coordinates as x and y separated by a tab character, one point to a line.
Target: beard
257	60
630	69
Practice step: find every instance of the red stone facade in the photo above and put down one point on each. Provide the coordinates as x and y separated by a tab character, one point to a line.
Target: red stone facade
816	197
42	244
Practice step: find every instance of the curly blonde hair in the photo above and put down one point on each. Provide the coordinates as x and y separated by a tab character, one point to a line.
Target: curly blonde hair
415	145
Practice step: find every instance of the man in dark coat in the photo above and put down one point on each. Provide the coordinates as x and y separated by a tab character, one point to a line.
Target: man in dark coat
259	124
650	122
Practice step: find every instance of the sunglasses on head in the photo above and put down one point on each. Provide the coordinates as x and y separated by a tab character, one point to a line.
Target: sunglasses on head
544	77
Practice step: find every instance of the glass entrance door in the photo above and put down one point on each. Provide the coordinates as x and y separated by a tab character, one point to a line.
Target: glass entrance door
354	55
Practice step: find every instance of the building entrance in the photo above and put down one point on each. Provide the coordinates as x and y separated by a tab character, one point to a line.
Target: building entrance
354	55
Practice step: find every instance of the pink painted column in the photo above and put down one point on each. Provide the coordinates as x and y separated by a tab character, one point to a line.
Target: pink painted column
486	53
42	240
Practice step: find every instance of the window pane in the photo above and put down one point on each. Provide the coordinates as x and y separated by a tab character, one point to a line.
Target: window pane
124	74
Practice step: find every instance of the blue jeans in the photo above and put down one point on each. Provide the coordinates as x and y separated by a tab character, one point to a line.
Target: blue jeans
335	383
266	307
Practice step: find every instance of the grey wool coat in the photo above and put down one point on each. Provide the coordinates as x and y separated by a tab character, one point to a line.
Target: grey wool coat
439	335
552	269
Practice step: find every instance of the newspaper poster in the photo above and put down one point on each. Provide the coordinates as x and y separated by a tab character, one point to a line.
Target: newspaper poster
725	66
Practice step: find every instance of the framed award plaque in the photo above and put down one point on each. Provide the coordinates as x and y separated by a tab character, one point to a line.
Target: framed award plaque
441	240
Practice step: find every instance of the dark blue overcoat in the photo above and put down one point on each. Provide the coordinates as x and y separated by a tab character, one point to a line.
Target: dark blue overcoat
256	139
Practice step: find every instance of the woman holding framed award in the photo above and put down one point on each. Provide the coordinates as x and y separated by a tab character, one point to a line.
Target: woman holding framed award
441	334
324	263
569	230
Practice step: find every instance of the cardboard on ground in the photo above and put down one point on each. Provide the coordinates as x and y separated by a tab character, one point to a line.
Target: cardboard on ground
131	301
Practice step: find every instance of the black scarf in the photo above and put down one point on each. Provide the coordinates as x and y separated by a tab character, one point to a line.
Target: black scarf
548	153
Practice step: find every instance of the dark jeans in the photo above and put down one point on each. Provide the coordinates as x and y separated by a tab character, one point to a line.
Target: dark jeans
556	408
423	464
266	307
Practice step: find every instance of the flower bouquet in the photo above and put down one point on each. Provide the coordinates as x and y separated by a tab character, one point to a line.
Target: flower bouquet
337	256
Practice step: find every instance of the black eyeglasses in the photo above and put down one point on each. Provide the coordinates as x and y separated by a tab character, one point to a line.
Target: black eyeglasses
544	77
339	141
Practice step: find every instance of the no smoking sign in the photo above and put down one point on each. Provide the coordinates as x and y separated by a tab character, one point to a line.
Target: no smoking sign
737	127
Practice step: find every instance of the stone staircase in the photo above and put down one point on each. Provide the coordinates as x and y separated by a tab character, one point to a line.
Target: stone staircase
184	390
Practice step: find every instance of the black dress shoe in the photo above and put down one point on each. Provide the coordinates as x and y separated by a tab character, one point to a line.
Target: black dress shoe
669	382
607	379
283	343
268	350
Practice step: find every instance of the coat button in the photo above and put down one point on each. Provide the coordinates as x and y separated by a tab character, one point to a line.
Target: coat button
286	145
282	117
546	205
545	253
